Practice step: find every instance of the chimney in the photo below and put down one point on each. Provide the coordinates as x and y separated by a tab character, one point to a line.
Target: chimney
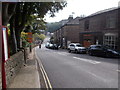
70	17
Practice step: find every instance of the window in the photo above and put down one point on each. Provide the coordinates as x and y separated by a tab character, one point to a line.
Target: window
78	45
72	45
110	41
111	22
86	25
98	47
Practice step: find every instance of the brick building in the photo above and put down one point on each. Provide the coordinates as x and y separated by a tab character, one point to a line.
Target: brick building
100	28
68	33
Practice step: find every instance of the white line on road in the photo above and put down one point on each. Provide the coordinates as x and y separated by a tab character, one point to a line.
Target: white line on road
65	54
87	60
96	76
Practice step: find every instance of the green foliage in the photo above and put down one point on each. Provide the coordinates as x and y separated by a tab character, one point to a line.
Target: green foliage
25	43
26	12
39	25
38	37
22	14
42	37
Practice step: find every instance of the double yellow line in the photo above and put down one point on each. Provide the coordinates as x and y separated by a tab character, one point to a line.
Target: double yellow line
44	74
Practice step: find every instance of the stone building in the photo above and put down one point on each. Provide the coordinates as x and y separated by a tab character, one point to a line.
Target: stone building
100	28
68	33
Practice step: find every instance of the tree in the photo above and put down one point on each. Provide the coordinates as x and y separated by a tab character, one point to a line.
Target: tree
25	10
38	24
19	14
8	10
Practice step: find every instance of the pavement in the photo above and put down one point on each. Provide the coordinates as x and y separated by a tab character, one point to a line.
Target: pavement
28	76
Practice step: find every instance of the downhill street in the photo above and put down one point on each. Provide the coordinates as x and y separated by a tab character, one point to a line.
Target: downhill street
70	70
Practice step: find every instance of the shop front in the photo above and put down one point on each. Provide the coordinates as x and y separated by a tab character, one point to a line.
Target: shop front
111	40
90	38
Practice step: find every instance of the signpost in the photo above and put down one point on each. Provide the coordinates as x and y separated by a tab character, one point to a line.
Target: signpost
29	38
5	54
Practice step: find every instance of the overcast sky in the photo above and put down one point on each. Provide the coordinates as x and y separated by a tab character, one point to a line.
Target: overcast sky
82	7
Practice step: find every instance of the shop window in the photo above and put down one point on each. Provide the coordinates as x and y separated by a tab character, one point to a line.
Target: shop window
110	41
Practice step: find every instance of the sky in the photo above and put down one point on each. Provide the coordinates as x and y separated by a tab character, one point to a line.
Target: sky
82	7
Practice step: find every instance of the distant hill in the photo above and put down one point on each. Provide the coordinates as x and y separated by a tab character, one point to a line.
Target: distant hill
51	27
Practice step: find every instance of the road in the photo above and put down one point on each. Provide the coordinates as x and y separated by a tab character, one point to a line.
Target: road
70	70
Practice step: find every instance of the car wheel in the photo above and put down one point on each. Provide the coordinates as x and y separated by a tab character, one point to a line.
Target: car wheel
107	55
69	51
76	51
90	53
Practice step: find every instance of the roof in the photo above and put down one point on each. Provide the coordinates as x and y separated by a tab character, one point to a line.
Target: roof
71	22
102	11
74	21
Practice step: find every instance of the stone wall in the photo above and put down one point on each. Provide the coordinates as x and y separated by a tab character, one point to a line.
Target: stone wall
14	64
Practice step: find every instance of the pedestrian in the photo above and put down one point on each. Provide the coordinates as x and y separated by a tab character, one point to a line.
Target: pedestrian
39	45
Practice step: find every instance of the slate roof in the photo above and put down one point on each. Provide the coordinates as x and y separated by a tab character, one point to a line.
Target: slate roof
74	21
103	11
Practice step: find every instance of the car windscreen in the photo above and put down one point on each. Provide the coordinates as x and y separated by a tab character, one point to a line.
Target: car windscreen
78	45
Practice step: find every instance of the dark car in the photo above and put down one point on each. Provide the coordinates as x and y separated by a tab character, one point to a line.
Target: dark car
100	50
55	46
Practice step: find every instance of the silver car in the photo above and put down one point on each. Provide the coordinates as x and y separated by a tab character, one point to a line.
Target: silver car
76	47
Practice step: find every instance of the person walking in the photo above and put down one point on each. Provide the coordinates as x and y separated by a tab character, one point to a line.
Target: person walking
40	42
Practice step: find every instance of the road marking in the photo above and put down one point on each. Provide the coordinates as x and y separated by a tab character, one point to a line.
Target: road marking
45	76
96	76
65	54
87	60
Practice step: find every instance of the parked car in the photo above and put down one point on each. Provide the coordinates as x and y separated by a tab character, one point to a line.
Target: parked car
100	50
47	45
51	46
76	47
55	46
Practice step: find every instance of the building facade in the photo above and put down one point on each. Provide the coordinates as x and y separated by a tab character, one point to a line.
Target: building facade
100	28
68	33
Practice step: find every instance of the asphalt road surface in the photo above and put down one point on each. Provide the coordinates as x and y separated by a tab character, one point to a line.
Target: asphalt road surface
70	70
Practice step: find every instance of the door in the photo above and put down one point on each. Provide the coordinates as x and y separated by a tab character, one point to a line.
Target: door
87	43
